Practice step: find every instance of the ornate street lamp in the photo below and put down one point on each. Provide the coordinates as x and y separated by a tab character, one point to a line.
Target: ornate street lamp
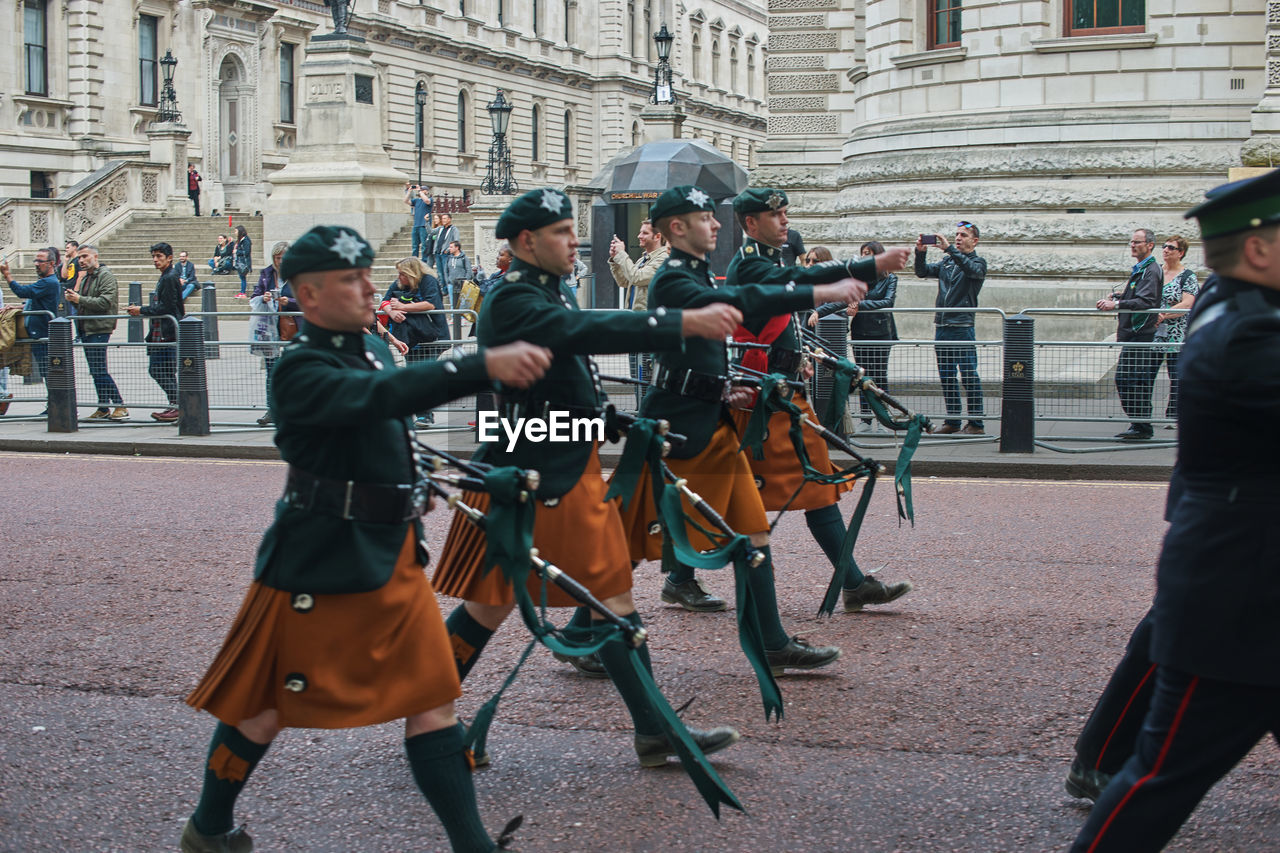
420	101
662	92
168	108
498	179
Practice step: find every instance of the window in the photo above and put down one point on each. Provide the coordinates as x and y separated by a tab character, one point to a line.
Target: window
568	21
630	28
733	68
695	62
502	12
944	23
568	137
751	72
42	185
462	121
286	82
1099	17
533	135
148	84
537	20
715	62
35	46
650	49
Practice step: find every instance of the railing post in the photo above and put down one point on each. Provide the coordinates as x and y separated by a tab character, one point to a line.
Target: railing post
193	384
209	307
1018	398
135	324
60	384
834	332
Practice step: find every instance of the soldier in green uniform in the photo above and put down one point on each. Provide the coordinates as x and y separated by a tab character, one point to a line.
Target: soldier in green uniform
690	392
340	627
575	527
762	213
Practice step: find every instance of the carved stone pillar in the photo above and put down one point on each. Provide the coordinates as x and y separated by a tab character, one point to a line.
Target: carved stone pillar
1262	148
169	149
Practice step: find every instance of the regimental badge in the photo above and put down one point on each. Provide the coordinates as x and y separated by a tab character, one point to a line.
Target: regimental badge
698	197
542	279
338	341
348	247
774	201
748	250
552	200
675	262
373	359
513	276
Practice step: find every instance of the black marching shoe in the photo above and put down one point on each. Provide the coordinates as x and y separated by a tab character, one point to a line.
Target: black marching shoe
872	590
654	750
235	841
588	665
692	597
1084	783
798	654
1135	434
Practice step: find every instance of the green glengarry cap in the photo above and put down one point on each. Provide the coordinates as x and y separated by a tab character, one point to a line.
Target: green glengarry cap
1239	206
759	200
682	199
326	247
533	210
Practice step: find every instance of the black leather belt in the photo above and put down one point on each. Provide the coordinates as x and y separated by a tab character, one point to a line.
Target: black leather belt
691	383
1248	493
379	503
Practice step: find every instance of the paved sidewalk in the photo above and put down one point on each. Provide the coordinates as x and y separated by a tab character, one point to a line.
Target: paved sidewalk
235	436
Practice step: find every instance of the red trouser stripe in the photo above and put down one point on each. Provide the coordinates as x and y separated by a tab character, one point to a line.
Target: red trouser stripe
1155	770
1098	764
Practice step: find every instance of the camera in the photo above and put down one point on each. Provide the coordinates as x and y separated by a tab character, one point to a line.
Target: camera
929	239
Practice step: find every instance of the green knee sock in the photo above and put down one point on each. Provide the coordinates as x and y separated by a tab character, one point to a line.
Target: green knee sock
680	574
444	777
614	657
579	627
467	637
232	757
827	527
760	580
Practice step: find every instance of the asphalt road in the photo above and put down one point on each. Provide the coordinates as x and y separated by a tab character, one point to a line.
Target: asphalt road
946	726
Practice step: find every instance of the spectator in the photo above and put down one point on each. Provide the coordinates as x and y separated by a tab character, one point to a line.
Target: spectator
165	310
419	201
1134	374
1179	292
193	186
243	259
447	233
455	269
793	249
573	277
414	292
431	242
5	396
817	255
186	275
221	262
69	273
94	303
634	276
870	323
41	296
273	298
960	276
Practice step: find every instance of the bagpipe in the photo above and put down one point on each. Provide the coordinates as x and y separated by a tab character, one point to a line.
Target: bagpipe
508	529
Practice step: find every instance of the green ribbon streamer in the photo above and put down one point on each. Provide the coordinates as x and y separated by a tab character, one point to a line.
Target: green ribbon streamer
509	528
640	441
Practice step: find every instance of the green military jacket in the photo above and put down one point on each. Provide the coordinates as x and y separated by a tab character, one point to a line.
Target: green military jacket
343	411
99	294
686	282
760	263
532	305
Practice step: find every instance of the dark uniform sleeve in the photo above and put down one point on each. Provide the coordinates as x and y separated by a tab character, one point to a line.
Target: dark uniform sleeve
755	301
312	388
519	311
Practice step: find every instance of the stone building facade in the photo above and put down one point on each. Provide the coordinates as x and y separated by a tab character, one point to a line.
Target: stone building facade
1057	126
81	81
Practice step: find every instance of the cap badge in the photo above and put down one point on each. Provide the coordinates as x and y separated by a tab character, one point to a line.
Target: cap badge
552	200
774	201
348	247
698	197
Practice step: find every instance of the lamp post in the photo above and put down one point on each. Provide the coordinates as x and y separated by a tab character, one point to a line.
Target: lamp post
662	92
168	108
498	179
420	101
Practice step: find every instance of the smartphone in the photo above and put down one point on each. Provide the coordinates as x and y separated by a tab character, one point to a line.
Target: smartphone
929	239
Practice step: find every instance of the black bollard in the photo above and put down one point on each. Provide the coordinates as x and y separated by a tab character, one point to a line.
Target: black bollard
209	307
61	378
193	384
135	324
1018	399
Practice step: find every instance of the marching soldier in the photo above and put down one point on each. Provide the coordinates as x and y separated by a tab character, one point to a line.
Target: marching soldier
575	527
689	391
1213	637
762	213
340	626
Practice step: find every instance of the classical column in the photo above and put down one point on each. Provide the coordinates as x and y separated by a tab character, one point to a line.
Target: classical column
1262	148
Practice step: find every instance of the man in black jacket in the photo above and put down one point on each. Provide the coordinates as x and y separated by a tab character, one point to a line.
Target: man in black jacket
162	354
960	276
1134	374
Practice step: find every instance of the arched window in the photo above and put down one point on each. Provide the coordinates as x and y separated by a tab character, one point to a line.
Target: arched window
462	121
715	62
502	12
533	134
650	49
751	72
568	21
537	19
629	27
568	137
636	135
695	61
733	68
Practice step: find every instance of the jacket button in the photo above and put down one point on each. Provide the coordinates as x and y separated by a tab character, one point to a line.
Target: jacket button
295	682
303	602
655	528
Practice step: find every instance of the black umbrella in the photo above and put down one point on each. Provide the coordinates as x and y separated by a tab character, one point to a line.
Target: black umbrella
657	166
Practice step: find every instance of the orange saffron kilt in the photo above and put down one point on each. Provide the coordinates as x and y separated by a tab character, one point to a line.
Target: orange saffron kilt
364	658
779	474
721	476
581	535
